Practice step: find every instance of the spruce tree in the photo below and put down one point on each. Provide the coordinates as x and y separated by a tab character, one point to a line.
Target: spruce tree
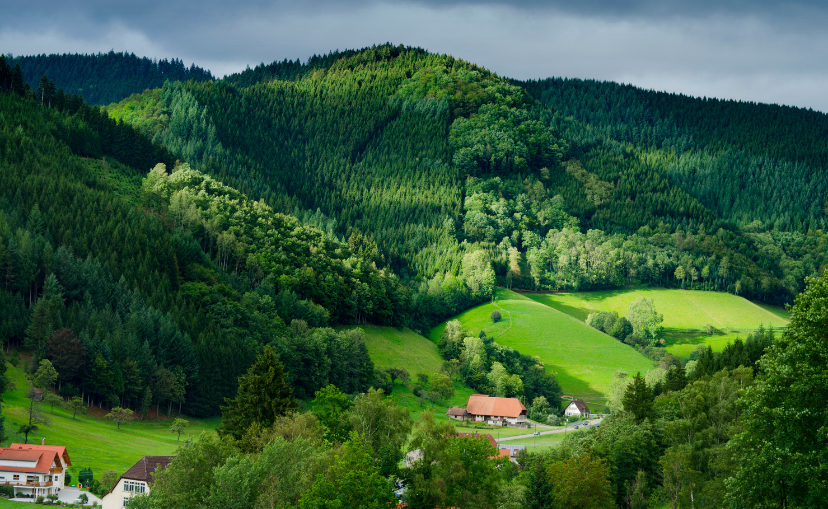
264	394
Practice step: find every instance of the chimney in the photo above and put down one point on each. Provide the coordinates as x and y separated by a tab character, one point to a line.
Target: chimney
43	441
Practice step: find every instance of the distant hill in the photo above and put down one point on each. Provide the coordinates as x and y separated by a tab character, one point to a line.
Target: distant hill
105	78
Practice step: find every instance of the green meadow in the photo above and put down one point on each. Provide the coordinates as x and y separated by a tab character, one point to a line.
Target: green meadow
93	441
404	348
686	313
583	358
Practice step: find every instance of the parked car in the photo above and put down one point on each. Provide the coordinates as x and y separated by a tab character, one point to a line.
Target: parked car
537	433
575	427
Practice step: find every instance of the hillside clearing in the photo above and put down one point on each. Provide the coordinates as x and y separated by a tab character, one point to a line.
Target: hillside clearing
582	358
686	313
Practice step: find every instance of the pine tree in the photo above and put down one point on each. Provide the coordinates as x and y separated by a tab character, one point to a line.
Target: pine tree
264	394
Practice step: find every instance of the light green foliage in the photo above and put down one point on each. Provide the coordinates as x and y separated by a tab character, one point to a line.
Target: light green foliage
479	275
120	415
178	426
582	482
52	400
187	481
382	425
783	448
646	321
442	385
451	471
353	481
504	384
45	376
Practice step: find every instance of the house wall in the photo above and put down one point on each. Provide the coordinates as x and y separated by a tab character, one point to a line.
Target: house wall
115	498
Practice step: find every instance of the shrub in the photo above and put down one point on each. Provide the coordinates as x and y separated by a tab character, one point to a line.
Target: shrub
710	329
7	490
40	499
496	316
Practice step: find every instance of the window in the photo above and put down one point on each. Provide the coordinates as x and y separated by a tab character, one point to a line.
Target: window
134	486
126	500
16	477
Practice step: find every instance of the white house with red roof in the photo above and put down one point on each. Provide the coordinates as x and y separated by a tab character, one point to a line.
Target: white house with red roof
496	411
33	469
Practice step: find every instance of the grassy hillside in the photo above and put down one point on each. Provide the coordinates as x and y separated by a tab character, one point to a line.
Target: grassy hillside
92	441
686	313
404	348
583	358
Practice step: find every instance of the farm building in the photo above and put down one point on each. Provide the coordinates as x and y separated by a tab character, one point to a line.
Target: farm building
496	411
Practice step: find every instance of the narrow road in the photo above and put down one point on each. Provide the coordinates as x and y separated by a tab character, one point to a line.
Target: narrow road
562	430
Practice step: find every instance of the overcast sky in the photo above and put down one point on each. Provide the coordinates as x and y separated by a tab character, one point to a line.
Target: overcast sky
759	50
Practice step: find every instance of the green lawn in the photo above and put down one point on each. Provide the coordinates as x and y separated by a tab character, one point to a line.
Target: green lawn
94	442
582	358
402	348
686	313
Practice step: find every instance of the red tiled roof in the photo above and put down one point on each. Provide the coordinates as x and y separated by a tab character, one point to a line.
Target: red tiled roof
61	450
479	435
481	404
44	459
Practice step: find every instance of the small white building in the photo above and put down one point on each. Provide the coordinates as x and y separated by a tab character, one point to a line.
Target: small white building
577	407
135	481
33	469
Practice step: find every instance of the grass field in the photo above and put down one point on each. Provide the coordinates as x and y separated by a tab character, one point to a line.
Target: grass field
90	441
686	313
582	358
404	348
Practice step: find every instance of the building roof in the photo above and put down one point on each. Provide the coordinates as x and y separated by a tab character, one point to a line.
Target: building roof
44	459
481	404
59	449
580	405
484	436
456	410
144	469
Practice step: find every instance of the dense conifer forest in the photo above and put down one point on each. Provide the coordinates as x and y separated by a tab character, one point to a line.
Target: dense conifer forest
104	78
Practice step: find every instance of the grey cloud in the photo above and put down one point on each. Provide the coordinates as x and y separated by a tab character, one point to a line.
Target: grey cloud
762	51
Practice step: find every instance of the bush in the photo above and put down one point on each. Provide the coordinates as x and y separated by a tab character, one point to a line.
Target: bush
15	358
40	499
710	329
496	316
7	490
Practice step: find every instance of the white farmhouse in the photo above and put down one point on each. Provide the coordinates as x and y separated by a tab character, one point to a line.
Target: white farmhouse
33	469
136	481
577	407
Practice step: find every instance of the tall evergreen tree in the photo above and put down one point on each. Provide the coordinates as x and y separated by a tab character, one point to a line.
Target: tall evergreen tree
263	396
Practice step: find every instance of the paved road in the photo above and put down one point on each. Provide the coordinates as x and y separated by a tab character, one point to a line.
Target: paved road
562	430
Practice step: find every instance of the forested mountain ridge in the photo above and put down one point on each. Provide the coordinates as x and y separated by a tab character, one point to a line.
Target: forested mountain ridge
432	157
104	78
139	281
731	155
